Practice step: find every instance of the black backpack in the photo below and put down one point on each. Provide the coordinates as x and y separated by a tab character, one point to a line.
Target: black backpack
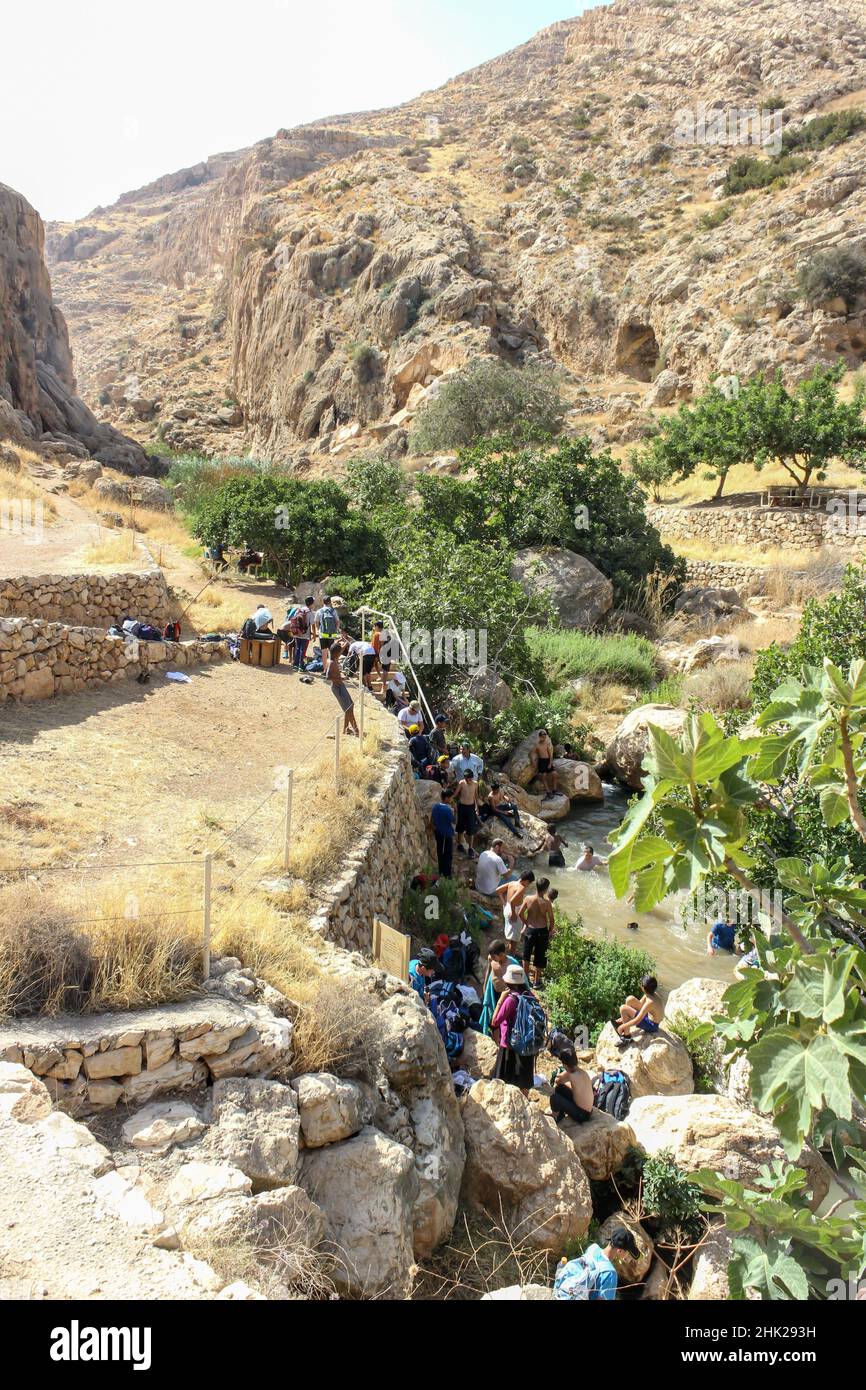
613	1094
249	629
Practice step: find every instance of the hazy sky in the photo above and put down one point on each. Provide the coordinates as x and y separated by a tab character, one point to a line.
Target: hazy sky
101	96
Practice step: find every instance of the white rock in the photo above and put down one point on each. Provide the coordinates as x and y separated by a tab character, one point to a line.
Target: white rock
157	1127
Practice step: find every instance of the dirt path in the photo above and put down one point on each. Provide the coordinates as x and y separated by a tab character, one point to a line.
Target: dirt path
154	772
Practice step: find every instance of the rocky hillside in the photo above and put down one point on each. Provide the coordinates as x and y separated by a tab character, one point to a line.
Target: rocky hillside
38	398
302	298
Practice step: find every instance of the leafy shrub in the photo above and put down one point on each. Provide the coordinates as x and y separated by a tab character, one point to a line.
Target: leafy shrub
444	906
375	482
839	271
667	692
588	980
365	361
489	397
747	172
669	1195
823	131
530	712
567	655
697	1038
708	220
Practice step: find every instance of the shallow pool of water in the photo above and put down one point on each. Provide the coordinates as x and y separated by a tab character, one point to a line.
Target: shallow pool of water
680	952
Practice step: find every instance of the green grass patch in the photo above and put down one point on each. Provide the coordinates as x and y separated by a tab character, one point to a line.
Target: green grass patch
667	692
567	655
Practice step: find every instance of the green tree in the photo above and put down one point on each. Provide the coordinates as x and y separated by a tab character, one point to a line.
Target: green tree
303	529
461	609
569	496
489	397
839	271
762	421
373	483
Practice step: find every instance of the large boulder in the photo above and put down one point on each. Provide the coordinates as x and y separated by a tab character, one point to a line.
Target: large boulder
709	605
421	1110
656	1064
427	795
707	651
533	834
580	594
367	1188
633	1270
157	1127
330	1109
518	1163
479	1054
554	807
579	781
710	1131
487	686
256	1127
628	747
699	998
601	1143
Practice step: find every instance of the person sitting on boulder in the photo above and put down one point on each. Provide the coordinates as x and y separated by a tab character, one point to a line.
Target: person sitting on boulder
572	1092
495	804
645	1013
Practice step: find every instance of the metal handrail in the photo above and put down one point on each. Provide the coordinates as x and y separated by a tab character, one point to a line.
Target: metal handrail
364	610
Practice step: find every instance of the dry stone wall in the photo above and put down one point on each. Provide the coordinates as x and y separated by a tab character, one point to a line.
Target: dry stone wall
94	600
39	659
719	574
92	1064
374	872
799	529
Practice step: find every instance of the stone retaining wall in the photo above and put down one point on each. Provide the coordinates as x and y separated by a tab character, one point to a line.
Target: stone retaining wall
95	1063
41	659
375	871
95	600
796	528
719	574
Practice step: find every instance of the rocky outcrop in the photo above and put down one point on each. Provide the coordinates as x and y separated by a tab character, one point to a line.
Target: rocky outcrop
710	1272
367	1189
657	1064
710	1131
37	386
628	747
518	1164
601	1143
580	594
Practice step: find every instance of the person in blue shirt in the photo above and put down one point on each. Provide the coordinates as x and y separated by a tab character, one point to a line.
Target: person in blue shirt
422	972
443	818
721	937
594	1275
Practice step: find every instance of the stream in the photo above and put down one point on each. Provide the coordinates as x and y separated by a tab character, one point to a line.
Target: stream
680	952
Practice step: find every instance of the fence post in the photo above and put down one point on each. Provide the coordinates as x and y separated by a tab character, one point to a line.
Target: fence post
206	915
338	729
288	825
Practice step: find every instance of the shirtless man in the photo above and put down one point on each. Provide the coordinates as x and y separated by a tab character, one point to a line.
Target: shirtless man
467	812
572	1092
511	895
536	916
542	757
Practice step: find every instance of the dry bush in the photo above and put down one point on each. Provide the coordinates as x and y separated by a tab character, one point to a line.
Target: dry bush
156	525
720	687
59	960
819	573
482	1256
334	1030
113	548
652	599
604	697
334	818
219	609
275	947
278	1262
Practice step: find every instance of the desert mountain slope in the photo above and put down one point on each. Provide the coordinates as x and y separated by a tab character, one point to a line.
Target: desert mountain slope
300	298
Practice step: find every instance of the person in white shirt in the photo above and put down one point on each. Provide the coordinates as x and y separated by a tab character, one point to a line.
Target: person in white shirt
492	864
589	860
395	690
366	654
411	715
465	761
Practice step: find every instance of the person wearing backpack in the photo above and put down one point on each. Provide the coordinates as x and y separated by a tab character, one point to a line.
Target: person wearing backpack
300	622
593	1277
515	1029
328	629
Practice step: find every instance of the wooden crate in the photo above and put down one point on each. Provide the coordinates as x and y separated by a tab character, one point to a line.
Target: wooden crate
256	652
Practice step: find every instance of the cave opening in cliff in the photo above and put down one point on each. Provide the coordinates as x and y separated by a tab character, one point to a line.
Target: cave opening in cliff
637	351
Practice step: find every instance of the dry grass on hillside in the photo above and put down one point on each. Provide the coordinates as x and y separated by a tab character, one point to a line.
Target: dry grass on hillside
157	526
219	609
113	548
16	485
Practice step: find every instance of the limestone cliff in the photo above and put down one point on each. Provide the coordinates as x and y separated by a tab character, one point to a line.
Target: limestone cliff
37	386
564	200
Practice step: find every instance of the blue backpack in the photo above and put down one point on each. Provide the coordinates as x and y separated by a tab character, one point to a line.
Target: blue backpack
529	1029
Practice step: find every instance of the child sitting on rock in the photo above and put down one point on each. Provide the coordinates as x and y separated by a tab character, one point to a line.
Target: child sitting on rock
645	1013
